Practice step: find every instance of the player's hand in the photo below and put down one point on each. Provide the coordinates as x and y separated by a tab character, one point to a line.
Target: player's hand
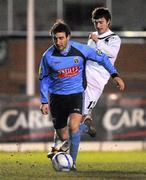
94	37
120	83
44	109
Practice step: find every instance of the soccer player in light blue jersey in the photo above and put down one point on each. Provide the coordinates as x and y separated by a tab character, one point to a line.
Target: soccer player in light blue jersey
63	81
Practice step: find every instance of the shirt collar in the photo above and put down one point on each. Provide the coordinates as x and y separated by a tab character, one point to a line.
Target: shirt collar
66	50
105	34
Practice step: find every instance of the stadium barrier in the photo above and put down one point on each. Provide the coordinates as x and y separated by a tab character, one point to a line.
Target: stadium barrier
84	146
119	119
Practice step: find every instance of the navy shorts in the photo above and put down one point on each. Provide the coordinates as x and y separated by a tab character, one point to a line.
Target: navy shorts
61	106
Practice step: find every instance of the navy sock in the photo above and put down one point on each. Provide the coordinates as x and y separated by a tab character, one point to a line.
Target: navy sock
74	144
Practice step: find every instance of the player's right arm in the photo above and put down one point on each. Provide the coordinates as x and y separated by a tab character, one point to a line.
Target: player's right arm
44	108
44	85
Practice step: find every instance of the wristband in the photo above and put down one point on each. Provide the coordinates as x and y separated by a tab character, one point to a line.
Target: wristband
114	75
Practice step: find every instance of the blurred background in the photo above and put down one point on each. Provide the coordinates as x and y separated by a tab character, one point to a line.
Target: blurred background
24	36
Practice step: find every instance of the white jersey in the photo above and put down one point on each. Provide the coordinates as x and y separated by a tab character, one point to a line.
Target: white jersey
97	76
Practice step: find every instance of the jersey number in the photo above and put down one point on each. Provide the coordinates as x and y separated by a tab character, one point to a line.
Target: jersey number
91	105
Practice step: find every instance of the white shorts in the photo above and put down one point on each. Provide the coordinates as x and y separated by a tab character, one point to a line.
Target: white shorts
97	77
91	97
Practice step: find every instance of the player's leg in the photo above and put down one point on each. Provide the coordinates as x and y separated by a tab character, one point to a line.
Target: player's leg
73	112
63	135
75	117
91	96
57	140
59	118
74	123
62	144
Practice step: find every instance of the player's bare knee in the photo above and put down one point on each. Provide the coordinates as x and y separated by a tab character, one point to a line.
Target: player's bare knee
74	128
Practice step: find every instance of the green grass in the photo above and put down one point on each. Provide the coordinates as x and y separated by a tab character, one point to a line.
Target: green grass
90	165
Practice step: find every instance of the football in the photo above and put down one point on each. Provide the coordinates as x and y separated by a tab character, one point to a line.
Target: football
62	161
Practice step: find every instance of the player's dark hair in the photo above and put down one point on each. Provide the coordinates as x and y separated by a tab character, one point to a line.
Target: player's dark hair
100	13
60	26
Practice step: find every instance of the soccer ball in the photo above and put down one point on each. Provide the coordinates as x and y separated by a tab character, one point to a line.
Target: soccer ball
62	161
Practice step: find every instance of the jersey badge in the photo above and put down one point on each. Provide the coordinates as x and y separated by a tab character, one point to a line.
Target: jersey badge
99	52
76	60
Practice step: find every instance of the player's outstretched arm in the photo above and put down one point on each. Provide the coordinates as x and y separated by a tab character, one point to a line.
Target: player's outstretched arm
119	82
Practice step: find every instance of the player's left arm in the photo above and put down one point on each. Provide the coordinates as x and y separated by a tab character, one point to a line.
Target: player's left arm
119	82
105	62
44	81
101	59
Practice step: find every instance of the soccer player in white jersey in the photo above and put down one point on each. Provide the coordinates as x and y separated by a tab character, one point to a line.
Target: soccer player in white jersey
106	41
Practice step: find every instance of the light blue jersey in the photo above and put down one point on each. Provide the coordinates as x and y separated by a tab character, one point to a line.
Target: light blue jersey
64	73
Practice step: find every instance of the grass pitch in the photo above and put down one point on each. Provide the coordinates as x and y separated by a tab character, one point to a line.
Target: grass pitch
90	165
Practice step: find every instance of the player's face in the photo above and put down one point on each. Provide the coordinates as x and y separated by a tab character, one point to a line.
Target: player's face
60	40
101	25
